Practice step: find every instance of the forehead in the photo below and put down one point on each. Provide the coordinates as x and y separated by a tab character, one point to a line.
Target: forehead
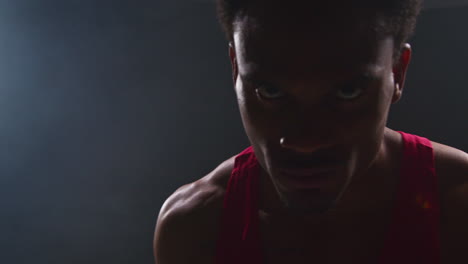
321	43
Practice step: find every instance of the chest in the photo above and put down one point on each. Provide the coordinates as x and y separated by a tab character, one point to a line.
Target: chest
345	240
354	241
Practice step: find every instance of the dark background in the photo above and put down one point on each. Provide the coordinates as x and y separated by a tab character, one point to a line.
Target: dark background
107	107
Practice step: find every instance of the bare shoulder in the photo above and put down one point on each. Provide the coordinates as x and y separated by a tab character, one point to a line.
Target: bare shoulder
189	219
451	166
203	193
219	177
207	193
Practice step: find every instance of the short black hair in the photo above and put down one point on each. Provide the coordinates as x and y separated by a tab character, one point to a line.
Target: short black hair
399	15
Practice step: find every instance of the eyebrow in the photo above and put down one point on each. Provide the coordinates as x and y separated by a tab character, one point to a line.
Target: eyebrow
366	76
250	76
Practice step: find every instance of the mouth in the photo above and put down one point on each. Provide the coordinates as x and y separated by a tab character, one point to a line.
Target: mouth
307	178
312	170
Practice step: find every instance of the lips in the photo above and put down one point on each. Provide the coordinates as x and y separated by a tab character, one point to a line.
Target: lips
307	178
309	170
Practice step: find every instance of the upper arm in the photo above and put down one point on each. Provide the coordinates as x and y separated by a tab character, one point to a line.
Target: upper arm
180	229
169	243
452	164
168	228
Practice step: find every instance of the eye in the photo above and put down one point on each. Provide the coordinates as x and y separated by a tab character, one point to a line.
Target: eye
269	92
349	93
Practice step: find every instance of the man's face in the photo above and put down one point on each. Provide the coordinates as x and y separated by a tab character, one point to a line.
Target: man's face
325	88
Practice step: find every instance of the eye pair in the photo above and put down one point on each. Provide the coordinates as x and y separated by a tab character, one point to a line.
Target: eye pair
345	93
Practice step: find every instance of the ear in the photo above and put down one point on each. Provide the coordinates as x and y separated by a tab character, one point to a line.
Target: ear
399	72
232	56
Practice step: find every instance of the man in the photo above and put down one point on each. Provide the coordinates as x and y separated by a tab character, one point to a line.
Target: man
324	180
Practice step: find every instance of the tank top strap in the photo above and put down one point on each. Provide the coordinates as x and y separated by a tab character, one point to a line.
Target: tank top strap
238	240
414	231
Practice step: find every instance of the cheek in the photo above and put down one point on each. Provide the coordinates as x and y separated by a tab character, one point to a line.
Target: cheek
382	104
363	121
251	111
251	114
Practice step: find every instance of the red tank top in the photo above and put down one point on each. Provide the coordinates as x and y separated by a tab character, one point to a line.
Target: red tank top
413	236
